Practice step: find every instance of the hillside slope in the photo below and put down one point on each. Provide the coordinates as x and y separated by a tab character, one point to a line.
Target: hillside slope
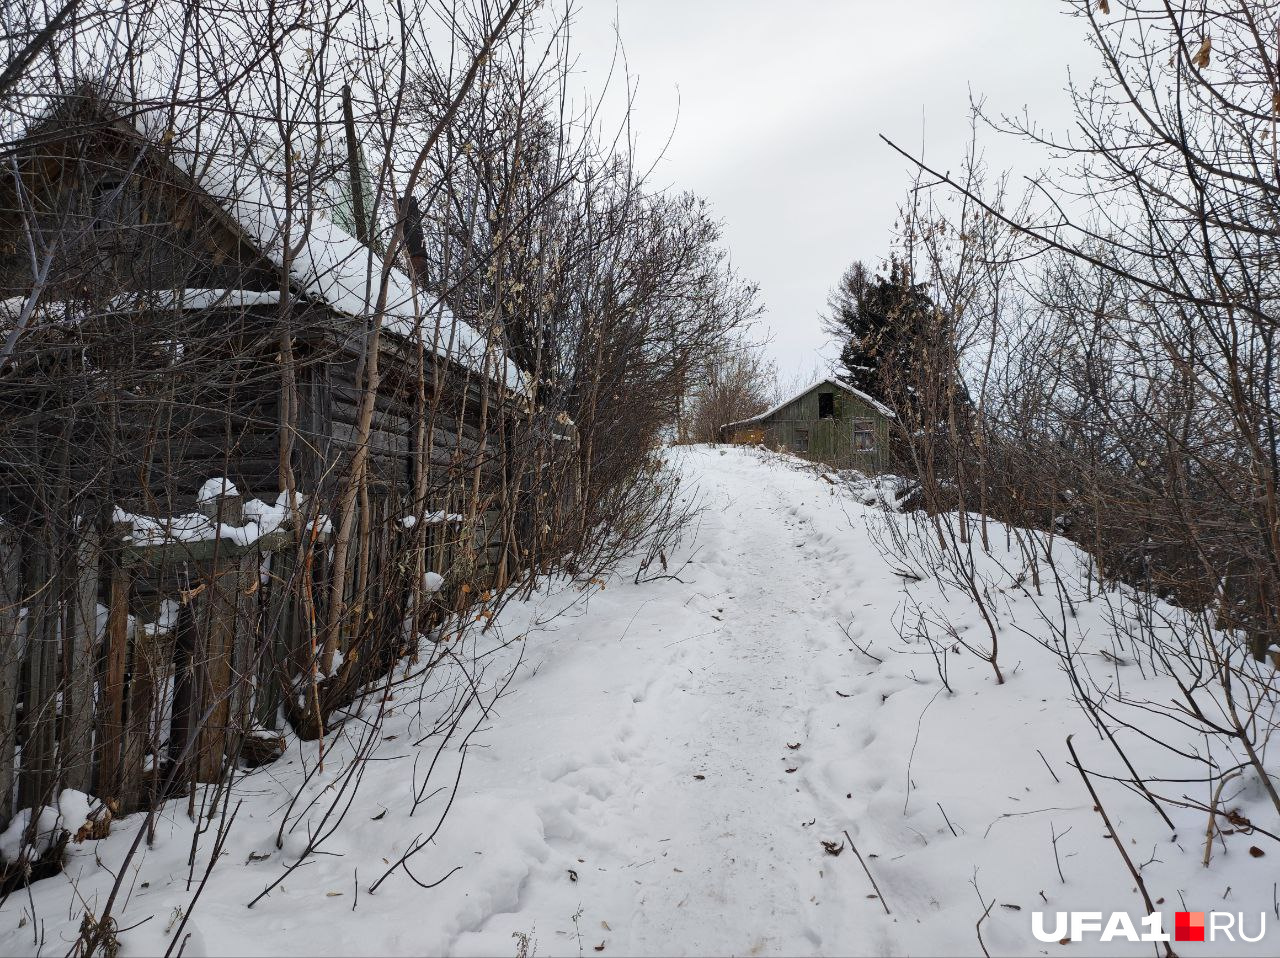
669	758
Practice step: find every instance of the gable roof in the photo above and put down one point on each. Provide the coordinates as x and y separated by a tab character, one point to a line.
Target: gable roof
332	266
829	380
326	263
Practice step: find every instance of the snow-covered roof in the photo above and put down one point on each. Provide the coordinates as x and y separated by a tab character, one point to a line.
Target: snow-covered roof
827	380
198	299
332	266
326	263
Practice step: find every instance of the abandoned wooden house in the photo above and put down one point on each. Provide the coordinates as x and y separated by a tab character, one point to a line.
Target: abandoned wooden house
829	422
186	362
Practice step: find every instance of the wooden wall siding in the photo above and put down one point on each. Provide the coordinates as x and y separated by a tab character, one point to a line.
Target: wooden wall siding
129	421
456	443
797	428
138	434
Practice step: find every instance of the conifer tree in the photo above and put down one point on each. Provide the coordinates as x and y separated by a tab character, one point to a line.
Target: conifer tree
878	320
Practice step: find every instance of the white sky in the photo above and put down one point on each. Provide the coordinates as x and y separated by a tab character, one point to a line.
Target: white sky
780	104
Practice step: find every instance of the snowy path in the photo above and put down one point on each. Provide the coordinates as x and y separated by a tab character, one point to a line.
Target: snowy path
714	677
947	796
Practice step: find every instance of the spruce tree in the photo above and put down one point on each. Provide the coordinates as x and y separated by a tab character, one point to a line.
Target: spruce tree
878	320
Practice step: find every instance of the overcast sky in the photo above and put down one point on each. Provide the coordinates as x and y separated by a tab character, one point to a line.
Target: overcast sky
778	105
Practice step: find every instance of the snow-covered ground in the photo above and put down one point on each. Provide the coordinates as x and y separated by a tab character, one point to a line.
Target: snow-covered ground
669	759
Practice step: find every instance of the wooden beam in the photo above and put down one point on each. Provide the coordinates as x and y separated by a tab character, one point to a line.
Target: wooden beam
10	663
79	655
37	782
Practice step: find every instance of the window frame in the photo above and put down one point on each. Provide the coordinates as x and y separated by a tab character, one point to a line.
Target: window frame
863	435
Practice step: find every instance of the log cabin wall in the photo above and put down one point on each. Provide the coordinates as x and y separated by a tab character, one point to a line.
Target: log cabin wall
120	396
165	394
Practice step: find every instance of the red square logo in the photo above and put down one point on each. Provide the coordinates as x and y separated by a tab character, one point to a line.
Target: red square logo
1188	926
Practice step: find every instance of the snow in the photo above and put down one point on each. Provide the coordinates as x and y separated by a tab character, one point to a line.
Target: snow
436	518
197	299
72	811
213	488
261	519
883	491
669	756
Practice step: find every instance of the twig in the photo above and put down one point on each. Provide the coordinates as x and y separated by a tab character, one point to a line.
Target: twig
947	820
977	926
849	635
1053	832
1115	838
1213	815
1048	766
220	839
912	757
871	877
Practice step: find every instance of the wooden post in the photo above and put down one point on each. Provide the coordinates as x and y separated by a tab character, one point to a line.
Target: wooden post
354	171
228	510
185	689
133	737
10	664
490	546
115	660
152	660
38	779
243	649
216	622
79	654
280	632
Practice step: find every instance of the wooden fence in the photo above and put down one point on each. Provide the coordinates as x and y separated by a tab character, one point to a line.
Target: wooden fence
130	669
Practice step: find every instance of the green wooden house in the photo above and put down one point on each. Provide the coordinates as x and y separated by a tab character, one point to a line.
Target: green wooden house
829	422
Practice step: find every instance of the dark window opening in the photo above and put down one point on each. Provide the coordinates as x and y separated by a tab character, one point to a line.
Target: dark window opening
802	440
110	204
826	405
864	435
116	214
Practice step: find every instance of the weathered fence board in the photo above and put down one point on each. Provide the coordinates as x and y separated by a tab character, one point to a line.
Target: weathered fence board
38	776
11	649
79	655
136	737
113	676
203	641
215	614
275	665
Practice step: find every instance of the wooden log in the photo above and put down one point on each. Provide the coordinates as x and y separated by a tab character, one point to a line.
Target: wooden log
176	553
345	403
10	664
381	442
444	429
